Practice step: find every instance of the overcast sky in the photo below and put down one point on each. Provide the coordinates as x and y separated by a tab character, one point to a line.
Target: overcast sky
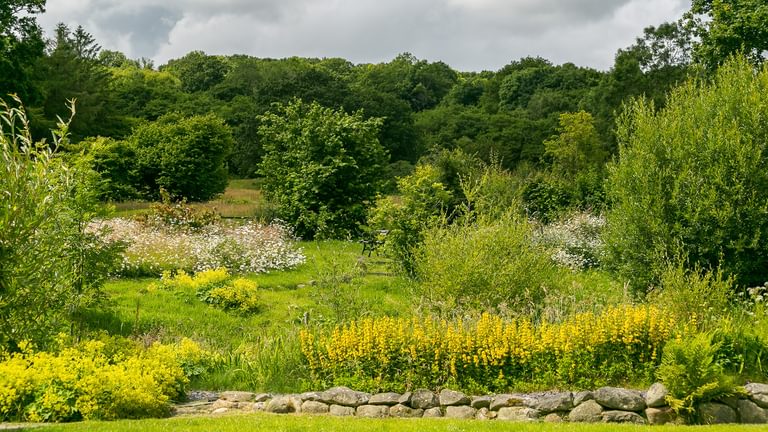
469	35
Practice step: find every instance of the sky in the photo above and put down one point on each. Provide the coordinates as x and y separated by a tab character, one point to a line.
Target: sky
469	35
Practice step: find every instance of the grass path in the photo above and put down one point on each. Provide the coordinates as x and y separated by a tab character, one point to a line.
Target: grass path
290	423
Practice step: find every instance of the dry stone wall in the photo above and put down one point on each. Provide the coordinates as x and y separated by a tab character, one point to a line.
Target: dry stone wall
606	404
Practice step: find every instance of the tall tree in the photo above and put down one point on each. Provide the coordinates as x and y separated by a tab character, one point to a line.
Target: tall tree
727	27
21	45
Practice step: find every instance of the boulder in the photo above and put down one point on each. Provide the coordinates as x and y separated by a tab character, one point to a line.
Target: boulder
750	412
384	399
550	402
262	397
479	402
401	410
452	398
221	403
717	413
423	399
460	412
656	396
314	407
344	396
314	396
618	416
620	399
581	397
284	404
220	411
517	413
505	400
485	414
237	396
553	418
586	412
660	416
758	393
433	413
405	399
372	411
341	411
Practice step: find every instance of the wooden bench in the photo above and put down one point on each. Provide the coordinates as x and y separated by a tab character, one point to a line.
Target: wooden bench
373	241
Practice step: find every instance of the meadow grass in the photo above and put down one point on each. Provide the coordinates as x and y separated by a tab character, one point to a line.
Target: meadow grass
289	423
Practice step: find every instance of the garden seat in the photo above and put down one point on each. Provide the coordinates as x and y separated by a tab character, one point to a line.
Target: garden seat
372	242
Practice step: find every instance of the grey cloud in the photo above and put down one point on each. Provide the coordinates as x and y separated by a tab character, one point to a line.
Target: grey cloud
467	34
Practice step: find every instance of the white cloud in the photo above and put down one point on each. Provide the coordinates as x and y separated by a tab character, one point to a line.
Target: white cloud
467	34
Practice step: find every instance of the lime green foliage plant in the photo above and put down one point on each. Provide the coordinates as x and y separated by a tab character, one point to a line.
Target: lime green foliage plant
691	180
96	379
619	345
321	167
692	375
487	264
215	287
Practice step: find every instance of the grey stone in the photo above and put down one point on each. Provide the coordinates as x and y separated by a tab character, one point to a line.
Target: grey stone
485	414
384	399
750	413
550	402
314	396
220	411
660	416
620	399
553	418
581	397
433	412
758	393
405	399
505	400
756	388
460	412
237	396
345	396
731	401
586	412
372	411
760	399
618	416
284	404
452	398
196	407
262	397
656	396
517	413
423	399
479	402
221	403
314	407
717	413
259	406
341	411
401	410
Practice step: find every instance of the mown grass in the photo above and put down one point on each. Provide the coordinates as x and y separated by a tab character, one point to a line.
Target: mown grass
289	423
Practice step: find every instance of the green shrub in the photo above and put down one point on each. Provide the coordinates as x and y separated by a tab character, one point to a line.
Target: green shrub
179	215
691	180
490	264
215	287
321	167
692	375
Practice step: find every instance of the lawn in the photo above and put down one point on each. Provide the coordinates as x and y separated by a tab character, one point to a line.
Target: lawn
286	423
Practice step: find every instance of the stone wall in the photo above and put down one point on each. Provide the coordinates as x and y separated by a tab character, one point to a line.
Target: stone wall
607	404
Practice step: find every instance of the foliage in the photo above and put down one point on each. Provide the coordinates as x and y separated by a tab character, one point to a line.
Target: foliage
95	380
680	189
727	28
491	264
422	202
321	167
689	371
51	267
587	350
114	161
197	71
243	248
215	287
183	155
577	146
179	215
21	46
575	241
